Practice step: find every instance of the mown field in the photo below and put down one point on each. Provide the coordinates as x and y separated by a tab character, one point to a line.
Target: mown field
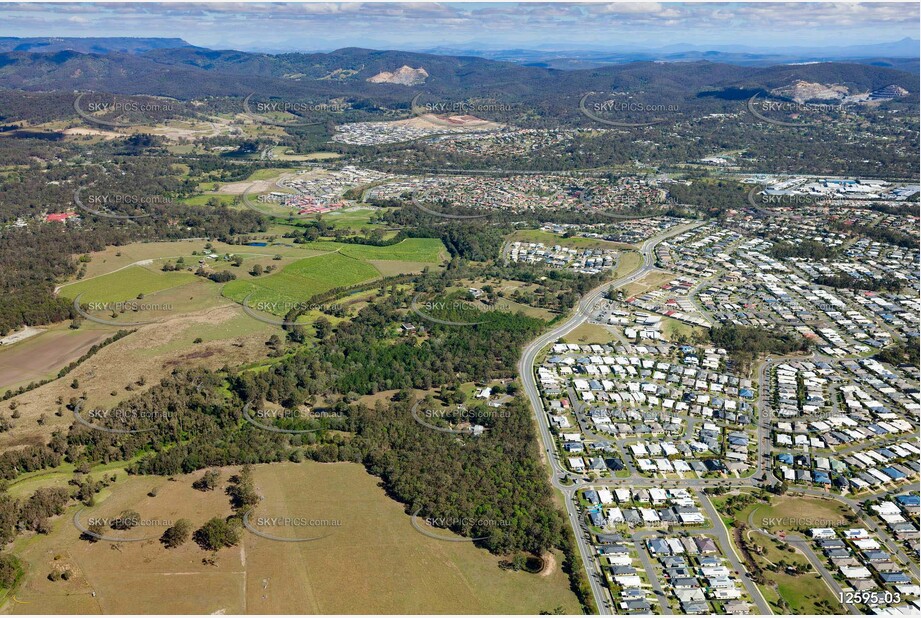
303	279
791	512
429	250
374	561
126	284
343	265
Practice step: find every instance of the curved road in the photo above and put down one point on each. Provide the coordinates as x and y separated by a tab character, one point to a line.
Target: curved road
526	370
763	473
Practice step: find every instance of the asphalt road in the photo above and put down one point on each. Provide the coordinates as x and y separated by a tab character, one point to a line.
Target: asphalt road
814	560
526	369
719	530
764	467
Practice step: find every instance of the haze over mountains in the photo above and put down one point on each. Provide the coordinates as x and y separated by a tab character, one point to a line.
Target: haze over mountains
172	68
902	54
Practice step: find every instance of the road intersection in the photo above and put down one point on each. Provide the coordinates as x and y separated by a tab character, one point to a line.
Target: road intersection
763	475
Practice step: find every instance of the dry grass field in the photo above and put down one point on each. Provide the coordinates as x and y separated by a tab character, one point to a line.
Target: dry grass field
228	336
373	562
42	356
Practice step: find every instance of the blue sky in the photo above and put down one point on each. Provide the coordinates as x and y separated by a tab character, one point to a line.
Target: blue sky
325	26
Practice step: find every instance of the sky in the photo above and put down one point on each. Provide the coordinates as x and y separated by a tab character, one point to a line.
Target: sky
484	26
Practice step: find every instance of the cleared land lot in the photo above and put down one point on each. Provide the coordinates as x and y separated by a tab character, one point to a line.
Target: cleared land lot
43	355
575	242
126	284
374	562
652	281
303	279
590	333
343	265
409	250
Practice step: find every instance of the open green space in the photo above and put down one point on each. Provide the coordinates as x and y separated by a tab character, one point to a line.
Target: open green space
408	250
303	279
373	560
576	242
125	284
202	200
789	513
269	172
806	594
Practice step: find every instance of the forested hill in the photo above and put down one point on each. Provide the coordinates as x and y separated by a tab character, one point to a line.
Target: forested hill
94	45
189	72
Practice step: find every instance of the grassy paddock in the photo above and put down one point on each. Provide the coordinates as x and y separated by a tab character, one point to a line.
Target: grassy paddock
374	561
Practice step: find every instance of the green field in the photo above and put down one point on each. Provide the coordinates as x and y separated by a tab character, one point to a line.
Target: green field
201	200
575	242
301	280
269	173
353	218
125	284
804	593
782	515
344	265
409	250
675	329
279	153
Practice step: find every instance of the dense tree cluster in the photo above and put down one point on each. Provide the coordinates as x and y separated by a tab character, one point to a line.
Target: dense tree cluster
745	343
903	352
844	280
807	249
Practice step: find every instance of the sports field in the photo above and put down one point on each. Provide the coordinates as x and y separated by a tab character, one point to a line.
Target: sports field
374	561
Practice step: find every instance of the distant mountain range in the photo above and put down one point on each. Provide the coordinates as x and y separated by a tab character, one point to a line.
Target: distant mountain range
127	45
185	72
902	55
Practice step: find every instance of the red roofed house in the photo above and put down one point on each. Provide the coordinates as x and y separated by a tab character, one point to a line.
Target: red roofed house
60	216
